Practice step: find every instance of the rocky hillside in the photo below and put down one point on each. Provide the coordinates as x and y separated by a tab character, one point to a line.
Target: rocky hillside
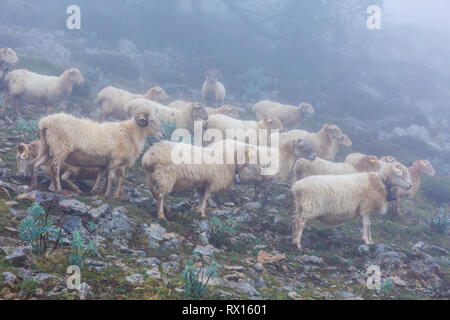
242	248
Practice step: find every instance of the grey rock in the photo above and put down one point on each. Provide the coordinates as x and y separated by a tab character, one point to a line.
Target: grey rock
311	260
148	262
20	257
116	226
84	291
9	278
281	197
72	206
171	268
100	211
243	286
253	205
259	267
135	278
96	264
205	251
153	273
74	223
364	249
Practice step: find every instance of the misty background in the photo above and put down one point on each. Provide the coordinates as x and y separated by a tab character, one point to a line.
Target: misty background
389	87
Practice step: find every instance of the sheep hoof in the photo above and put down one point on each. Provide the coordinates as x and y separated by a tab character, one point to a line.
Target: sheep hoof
162	217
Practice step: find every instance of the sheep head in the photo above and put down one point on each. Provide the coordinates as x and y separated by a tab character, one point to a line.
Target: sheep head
212	76
333	132
198	111
425	167
302	149
156	94
230	111
25	154
396	175
8	57
306	108
272	123
388	159
152	126
368	163
74	75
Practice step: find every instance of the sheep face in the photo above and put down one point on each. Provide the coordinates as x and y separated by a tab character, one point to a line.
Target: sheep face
199	111
388	159
303	149
24	161
272	123
333	132
75	76
372	163
152	127
157	94
306	108
8	57
425	167
398	176
212	76
230	111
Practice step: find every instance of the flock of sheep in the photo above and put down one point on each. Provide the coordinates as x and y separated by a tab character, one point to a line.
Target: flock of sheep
72	148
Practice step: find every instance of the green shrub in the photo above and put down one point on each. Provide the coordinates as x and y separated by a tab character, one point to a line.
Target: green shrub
81	250
28	129
440	221
36	230
195	281
218	232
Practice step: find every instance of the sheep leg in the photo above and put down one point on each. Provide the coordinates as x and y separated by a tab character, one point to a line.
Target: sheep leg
369	232
55	169
122	174
297	230
203	201
16	105
109	184
37	163
66	178
160	204
366	230
155	194
266	195
100	175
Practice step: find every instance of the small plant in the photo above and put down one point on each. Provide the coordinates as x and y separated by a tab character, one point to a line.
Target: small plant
196	280
386	286
81	250
169	127
28	129
36	230
91	226
219	232
440	221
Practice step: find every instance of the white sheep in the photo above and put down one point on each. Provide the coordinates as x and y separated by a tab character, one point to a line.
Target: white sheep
288	153
304	168
164	175
184	118
290	116
334	199
213	91
85	143
326	142
224	123
25	155
8	59
113	100
34	88
416	171
226	109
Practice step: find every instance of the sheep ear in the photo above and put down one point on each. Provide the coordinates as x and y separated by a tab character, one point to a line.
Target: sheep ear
141	119
21	148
